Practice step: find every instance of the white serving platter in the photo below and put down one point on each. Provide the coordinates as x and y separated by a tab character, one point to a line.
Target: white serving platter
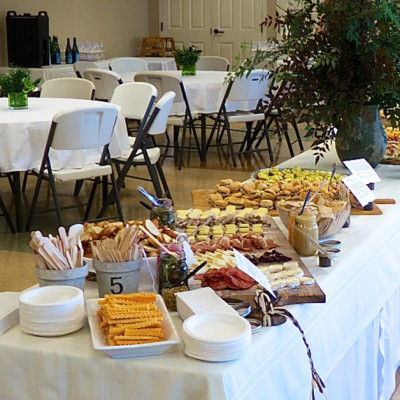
138	350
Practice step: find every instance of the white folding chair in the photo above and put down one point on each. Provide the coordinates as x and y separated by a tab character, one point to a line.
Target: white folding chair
212	63
143	154
135	100
165	82
104	82
81	66
73	130
122	65
71	88
249	89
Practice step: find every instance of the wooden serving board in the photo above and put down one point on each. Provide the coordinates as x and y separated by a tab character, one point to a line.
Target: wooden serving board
301	294
200	200
390	161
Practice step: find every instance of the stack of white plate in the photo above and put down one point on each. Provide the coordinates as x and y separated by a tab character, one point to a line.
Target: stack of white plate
51	310
216	336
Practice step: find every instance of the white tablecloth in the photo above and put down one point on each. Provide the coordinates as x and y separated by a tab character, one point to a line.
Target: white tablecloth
354	337
204	91
23	135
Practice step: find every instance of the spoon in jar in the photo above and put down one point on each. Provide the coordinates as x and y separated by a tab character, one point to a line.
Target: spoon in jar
332	174
149	196
305	202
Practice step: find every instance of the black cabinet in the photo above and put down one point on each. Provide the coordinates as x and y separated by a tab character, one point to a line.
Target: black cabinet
27	39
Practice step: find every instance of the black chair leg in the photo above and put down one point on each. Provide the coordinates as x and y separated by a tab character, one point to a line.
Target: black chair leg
298	136
33	204
25	181
55	198
6	215
91	198
164	183
181	148
78	187
228	131
154	179
117	199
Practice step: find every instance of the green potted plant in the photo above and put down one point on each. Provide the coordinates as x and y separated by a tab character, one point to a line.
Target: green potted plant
340	59
16	84
187	58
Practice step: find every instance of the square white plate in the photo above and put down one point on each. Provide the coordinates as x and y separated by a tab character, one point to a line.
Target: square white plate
137	350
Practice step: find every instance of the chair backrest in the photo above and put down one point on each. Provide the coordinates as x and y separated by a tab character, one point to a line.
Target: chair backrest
104	81
122	65
73	88
164	82
83	128
135	99
212	63
81	66
252	87
162	109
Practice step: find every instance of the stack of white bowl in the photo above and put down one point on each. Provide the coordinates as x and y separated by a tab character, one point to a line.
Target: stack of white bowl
51	310
216	337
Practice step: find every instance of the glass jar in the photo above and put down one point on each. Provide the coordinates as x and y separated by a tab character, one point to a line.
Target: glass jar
164	213
305	234
172	273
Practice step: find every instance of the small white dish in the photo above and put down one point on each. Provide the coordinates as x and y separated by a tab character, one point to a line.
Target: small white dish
138	350
216	327
51	296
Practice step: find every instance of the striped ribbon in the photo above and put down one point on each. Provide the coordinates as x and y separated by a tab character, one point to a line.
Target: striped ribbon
265	303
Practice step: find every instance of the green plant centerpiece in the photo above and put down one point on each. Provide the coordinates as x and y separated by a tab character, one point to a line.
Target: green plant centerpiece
340	59
16	84
187	58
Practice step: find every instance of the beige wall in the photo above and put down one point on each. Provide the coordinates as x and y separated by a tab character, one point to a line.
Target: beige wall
119	24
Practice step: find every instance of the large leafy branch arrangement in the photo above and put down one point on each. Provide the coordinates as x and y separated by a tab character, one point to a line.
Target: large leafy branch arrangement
336	56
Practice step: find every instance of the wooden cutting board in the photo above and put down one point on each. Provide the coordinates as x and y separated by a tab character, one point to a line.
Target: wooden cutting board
301	294
200	196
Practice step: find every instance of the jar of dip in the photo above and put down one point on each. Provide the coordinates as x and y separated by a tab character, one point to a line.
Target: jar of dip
305	234
164	213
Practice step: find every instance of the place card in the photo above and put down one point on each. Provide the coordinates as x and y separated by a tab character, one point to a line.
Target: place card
359	189
363	170
189	255
250	269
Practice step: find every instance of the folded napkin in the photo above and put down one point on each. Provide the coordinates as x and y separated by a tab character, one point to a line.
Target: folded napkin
9	314
200	301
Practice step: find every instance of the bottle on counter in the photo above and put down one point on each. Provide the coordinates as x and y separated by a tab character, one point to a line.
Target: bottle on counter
304	233
172	273
75	52
164	213
68	53
55	51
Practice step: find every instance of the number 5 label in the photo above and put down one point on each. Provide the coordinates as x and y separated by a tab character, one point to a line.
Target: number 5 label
118	286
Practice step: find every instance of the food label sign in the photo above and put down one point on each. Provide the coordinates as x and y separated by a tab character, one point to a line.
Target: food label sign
250	269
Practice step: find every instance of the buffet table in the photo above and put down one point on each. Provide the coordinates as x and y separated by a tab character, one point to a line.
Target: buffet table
23	135
354	337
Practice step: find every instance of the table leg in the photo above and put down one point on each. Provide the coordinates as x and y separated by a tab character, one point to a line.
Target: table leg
16	188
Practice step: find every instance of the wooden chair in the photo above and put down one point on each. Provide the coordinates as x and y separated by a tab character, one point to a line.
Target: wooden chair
169	46
153	47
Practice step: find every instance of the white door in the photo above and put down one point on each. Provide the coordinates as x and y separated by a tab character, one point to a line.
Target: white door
217	27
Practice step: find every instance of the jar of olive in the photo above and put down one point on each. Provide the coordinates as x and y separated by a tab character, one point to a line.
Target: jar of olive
172	273
164	213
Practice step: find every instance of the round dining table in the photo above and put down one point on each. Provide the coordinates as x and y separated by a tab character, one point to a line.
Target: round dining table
23	135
